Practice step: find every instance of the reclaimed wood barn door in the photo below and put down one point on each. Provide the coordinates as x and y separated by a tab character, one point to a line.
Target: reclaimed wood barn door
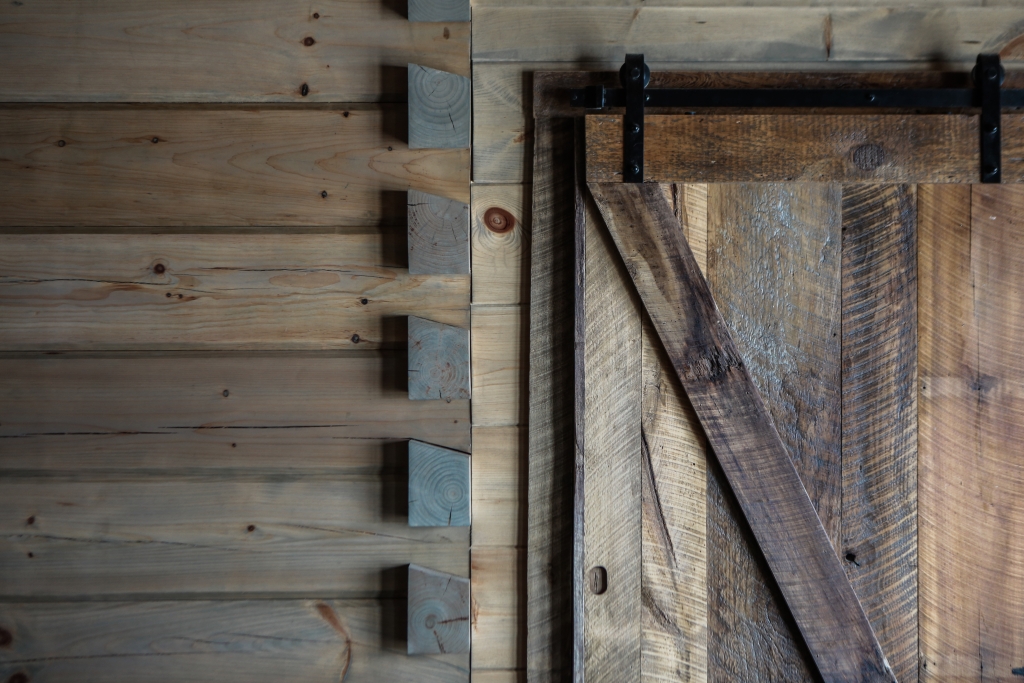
875	294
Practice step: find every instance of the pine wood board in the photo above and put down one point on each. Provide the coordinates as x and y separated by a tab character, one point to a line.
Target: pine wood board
740	3
500	236
226	640
221	51
499	356
161	537
216	167
499	633
107	292
179	396
499	487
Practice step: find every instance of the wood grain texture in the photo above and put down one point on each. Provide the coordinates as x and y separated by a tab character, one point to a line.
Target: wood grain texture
879	413
439	10
180	641
738	3
221	51
440	108
500	236
165	537
502	123
499	365
439	486
551	423
330	166
184	399
438	230
438	361
500	487
499	603
106	292
610	335
438	612
971	368
809	148
741	431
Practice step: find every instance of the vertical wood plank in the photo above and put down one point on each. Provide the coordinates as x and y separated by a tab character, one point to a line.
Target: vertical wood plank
549	557
773	267
879	413
612	356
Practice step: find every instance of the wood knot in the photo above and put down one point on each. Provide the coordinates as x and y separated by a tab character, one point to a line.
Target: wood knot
447	33
868	157
499	220
308	41
304	90
159	269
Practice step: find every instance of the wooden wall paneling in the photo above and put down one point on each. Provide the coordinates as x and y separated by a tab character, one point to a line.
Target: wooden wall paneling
551	416
879	413
501	244
438	612
499	627
163	536
149	166
439	10
440	108
439	486
730	3
438	233
774	269
609	392
227	640
499	487
105	292
970	514
223	51
502	123
499	349
438	361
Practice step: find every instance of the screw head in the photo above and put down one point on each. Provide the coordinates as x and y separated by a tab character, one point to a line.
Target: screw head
635	128
991	73
635	168
871	97
991	169
991	128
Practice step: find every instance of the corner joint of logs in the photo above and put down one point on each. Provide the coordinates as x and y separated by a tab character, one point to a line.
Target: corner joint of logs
439	481
438	361
438	612
439	109
438	233
439	10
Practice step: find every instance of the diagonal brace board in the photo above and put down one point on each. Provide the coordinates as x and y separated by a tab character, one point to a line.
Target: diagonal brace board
741	433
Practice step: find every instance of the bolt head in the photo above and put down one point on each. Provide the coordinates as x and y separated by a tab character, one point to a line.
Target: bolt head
991	73
635	168
635	73
991	128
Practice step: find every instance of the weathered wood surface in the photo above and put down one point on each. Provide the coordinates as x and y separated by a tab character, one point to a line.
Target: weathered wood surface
734	34
740	430
438	230
439	10
438	612
161	537
499	365
176	397
439	486
811	148
503	123
438	361
150	166
92	292
971	261
879	463
221	51
499	623
499	488
501	244
551	421
609	385
440	108
737	3
226	640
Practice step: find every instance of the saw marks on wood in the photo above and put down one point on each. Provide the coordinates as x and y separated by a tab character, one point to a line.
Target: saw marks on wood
971	256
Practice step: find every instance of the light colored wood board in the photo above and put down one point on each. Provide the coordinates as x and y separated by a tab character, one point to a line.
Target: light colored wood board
499	624
438	361
612	460
438	612
162	537
439	10
509	34
774	268
438	230
440	108
970	512
502	123
499	486
499	675
439	486
91	292
551	420
499	365
181	398
810	148
221	51
879	413
923	34
674	585
225	640
737	3
216	167
501	244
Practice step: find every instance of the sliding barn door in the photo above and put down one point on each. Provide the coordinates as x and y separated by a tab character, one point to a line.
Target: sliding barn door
876	296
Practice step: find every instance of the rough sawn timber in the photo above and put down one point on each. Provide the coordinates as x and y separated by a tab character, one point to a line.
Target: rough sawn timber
741	433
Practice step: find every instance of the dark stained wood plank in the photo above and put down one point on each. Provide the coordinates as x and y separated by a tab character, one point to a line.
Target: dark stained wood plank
218	51
235	641
879	492
741	432
121	166
550	534
884	148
